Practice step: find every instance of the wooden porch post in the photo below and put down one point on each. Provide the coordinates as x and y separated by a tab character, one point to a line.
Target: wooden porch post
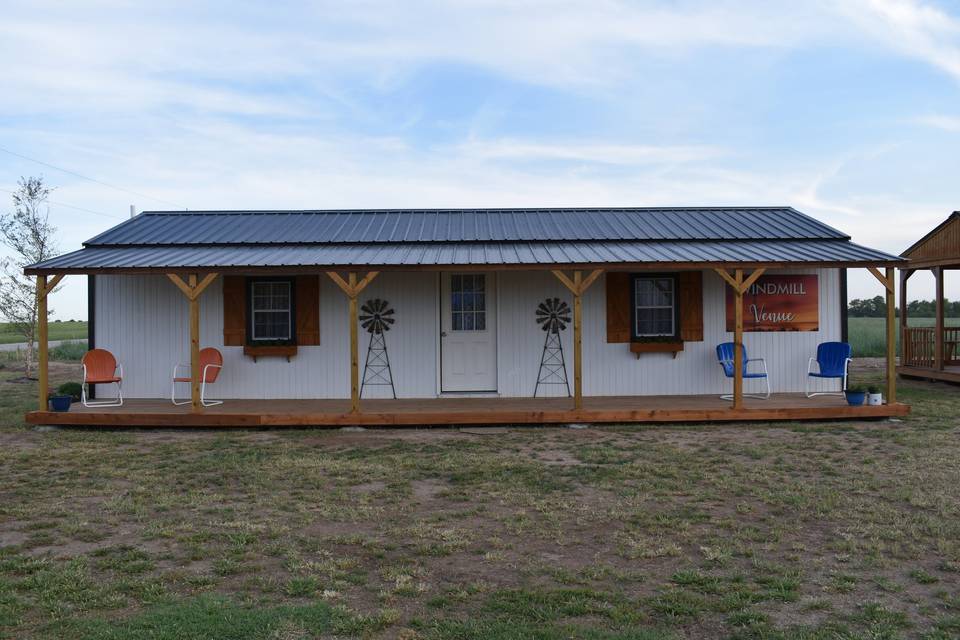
739	286
192	289
352	288
43	374
938	336
577	287
891	338
44	383
738	341
888	280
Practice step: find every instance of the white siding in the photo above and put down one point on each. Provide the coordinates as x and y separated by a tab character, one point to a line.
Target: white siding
143	320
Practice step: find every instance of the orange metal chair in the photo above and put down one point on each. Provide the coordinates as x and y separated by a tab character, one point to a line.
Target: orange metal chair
100	367
211	362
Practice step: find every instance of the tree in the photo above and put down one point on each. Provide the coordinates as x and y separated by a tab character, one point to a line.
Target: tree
29	236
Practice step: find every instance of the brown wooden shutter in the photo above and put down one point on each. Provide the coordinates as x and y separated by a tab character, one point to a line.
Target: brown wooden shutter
618	306
308	310
690	284
234	311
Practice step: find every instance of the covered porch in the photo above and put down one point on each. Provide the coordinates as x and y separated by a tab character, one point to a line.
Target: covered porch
469	411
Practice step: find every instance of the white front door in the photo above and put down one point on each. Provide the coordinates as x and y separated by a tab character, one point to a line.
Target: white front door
468	332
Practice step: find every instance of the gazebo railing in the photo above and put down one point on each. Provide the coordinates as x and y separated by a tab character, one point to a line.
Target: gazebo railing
919	348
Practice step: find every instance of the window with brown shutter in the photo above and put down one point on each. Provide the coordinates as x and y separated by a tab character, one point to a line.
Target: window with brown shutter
267	311
622	310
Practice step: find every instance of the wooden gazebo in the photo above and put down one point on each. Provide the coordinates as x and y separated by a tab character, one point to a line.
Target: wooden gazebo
931	352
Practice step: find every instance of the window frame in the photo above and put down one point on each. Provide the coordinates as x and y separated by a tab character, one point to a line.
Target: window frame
634	336
474	313
251	313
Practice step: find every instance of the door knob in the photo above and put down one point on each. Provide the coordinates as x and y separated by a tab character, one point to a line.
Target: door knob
443	334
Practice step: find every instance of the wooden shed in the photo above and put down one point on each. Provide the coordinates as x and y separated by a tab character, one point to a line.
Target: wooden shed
931	352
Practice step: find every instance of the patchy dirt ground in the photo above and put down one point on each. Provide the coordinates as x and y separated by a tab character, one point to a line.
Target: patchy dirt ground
690	531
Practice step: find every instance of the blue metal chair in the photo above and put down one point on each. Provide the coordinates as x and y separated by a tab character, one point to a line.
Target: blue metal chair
725	354
833	361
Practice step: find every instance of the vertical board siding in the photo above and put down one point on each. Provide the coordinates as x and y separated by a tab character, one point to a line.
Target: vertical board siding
144	321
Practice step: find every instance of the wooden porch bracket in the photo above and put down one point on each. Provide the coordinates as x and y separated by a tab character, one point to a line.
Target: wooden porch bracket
44	289
353	288
192	289
740	286
577	286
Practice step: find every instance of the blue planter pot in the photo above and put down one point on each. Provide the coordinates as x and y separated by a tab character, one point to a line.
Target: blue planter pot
60	403
855	398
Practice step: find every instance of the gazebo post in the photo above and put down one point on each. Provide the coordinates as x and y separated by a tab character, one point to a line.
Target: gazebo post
740	286
939	324
888	280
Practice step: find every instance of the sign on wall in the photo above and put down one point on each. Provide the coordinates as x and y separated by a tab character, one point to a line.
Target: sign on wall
779	303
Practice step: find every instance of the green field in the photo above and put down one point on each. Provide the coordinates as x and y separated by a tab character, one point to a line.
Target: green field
836	531
869	339
71	330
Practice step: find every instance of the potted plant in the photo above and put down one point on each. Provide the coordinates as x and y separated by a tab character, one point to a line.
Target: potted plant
874	396
855	395
66	394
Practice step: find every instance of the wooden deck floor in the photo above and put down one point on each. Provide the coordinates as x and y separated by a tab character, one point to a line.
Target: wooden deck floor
447	411
949	374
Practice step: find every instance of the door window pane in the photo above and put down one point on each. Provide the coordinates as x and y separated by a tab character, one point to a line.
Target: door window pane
468	310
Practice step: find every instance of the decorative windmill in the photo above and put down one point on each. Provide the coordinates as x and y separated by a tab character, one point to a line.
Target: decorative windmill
553	316
376	317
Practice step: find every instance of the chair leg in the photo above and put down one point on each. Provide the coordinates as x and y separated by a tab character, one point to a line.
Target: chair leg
203	397
173	395
118	402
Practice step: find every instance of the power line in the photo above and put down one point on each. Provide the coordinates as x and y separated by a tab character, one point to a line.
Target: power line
100	182
72	206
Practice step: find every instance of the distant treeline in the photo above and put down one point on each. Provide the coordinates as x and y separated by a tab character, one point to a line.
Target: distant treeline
877	308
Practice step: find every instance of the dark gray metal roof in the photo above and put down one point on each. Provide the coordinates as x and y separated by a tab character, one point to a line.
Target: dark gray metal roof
435	238
462	254
464	225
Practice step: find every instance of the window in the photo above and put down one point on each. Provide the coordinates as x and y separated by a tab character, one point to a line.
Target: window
655	307
271	311
468	304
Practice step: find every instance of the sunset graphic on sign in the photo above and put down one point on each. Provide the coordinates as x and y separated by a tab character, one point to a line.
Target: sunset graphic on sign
779	303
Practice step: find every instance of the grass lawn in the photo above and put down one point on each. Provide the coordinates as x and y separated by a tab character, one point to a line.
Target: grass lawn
868	336
73	330
832	531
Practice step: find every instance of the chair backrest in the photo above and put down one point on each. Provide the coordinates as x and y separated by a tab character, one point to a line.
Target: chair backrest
832	357
100	364
725	354
209	355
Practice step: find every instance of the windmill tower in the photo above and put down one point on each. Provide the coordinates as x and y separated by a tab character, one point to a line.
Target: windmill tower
376	317
553	316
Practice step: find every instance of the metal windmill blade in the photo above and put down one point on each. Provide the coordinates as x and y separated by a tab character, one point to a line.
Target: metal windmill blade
377	316
553	315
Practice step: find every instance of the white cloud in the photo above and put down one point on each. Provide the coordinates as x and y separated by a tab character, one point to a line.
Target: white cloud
946	123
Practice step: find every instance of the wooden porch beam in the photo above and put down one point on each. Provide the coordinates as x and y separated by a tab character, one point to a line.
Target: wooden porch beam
192	289
352	287
738	341
753	277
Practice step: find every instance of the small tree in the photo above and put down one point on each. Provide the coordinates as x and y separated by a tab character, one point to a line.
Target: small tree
29	236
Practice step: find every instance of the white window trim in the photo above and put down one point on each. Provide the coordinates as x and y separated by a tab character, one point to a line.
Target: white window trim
672	307
254	311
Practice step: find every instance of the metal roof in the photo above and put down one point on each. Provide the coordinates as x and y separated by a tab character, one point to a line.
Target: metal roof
464	225
462	254
460	237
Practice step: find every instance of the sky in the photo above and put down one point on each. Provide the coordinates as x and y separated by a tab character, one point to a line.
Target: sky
848	110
